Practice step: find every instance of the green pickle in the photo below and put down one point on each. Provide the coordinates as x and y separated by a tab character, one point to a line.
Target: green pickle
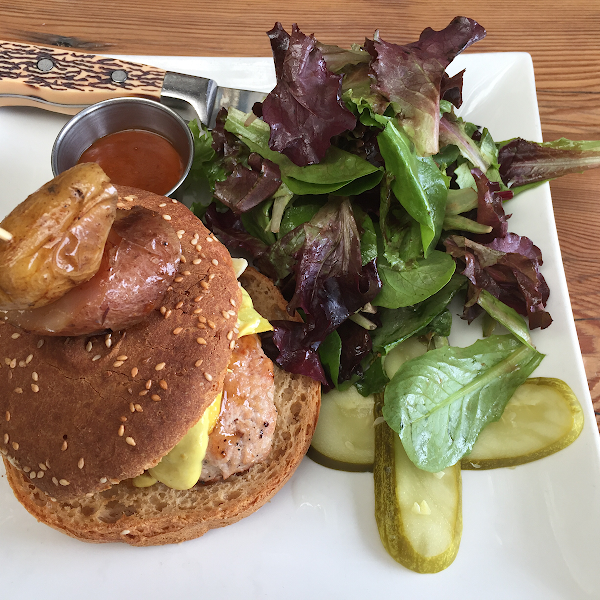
543	417
418	514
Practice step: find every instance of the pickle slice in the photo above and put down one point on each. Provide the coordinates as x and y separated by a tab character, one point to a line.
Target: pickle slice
543	417
344	437
418	514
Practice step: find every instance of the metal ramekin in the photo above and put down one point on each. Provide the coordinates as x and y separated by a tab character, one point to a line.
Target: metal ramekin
119	114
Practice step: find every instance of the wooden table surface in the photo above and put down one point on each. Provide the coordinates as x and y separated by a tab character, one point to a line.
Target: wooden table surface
562	37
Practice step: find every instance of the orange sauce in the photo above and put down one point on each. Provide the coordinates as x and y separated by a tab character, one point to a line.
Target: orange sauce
137	158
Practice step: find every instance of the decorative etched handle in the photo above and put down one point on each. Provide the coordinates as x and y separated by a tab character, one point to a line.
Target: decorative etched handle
63	81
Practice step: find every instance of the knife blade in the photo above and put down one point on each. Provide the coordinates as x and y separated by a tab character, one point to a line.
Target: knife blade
64	81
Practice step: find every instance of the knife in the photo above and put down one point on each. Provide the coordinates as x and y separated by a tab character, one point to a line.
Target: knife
60	80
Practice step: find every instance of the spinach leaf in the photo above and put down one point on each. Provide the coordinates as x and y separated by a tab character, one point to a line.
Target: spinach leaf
373	380
336	170
418	183
439	402
415	282
398	325
505	315
330	351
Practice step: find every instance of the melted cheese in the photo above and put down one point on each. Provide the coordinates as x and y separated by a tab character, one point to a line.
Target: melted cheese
180	469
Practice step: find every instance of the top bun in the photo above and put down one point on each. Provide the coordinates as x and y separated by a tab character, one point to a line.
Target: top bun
83	413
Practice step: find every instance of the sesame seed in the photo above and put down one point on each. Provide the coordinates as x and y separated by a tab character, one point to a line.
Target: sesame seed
97	357
7	416
162	204
211	276
186	273
131	407
155	397
35	388
32	475
29	359
130	441
13	363
197	261
26	469
209	239
40	343
142	393
168	313
204	285
208	376
163	384
63	482
215	262
134	372
22	363
40	474
35	376
138	408
6	438
197	311
7	361
55	481
173	201
42	466
202	319
198	248
88	346
14	336
231	345
81	463
121	431
183	259
18	390
178	279
123	419
15	445
125	532
198	362
201	326
122	357
108	341
163	310
130	198
177	330
160	366
211	325
179	304
181	232
232	301
103	479
148	384
201	341
231	313
118	363
225	314
196	299
230	335
166	217
64	446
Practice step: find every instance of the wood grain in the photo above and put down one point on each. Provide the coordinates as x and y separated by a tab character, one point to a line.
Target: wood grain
562	38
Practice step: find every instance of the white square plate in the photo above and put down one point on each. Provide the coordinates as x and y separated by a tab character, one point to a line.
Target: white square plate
529	533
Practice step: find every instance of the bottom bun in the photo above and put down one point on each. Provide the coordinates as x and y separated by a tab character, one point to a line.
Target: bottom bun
160	515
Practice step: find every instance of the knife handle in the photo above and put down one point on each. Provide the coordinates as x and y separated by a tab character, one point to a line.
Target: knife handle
60	80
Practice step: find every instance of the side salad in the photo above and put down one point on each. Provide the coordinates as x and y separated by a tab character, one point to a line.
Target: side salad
358	189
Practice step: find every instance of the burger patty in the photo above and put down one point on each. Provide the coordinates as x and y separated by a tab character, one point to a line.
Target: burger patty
244	430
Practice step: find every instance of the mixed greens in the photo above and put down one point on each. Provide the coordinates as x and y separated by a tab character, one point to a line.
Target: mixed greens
357	188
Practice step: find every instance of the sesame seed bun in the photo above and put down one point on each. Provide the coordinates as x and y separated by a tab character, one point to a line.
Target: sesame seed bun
160	515
80	414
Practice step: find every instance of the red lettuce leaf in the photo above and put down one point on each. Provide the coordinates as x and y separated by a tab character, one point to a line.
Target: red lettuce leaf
451	88
529	163
305	109
410	77
508	268
490	210
246	187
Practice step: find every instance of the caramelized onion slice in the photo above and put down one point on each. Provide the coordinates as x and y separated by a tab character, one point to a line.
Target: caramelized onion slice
59	234
140	260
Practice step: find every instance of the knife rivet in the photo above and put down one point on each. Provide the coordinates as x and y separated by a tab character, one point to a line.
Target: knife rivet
45	64
119	76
